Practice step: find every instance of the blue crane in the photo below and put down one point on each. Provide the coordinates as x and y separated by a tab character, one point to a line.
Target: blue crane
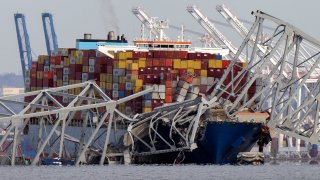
23	42
49	33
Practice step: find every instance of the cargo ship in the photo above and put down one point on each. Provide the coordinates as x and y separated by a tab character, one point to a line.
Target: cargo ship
121	70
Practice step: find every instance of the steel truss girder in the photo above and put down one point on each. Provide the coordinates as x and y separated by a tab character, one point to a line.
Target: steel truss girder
285	82
39	108
183	120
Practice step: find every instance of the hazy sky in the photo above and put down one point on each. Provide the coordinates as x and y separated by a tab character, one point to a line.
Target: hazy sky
73	18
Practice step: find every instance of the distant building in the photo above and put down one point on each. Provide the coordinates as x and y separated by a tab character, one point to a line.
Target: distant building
11	91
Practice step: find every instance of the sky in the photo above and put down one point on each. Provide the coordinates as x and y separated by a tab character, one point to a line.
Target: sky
74	18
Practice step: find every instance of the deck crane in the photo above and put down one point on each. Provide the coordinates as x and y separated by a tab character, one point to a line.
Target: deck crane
220	39
286	116
156	26
23	43
49	33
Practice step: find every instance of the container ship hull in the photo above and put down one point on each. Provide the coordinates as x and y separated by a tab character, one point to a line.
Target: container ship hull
220	144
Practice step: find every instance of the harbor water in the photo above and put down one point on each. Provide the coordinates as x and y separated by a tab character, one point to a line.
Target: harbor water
268	171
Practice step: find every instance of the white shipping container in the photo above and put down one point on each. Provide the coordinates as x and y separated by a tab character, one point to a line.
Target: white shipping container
91	61
147	103
155	95
162	95
46	68
204	80
183	84
72	60
115	87
84	76
115	79
128	86
66	71
65	78
91	69
115	94
155	88
162	88
210	81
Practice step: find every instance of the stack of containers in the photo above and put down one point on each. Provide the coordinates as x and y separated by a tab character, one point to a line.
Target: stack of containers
131	72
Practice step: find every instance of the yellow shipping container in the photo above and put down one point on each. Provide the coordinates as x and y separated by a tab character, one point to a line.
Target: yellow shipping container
211	63
138	83
128	55
218	64
204	73
78	61
137	89
142	63
176	63
59	83
77	82
39	74
143	59
197	64
103	77
77	91
102	85
33	88
109	86
190	70
244	64
72	82
109	78
66	62
134	66
190	64
122	79
121	55
145	110
122	64
85	69
184	65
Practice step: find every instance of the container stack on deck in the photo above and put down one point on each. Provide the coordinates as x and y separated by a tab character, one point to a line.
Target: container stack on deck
174	75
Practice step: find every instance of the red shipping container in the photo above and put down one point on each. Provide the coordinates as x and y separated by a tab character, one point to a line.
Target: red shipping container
59	72
155	62
33	82
183	55
142	71
33	74
150	54
156	70
109	69
182	72
218	73
162	62
39	83
122	87
34	65
40	67
149	70
197	72
225	63
85	61
78	75
168	62
149	62
168	99
168	84
91	76
204	64
56	60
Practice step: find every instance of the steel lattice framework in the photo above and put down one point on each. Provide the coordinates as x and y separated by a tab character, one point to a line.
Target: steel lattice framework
44	104
279	82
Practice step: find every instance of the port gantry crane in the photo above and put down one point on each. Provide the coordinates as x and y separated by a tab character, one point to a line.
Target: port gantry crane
219	39
156	26
23	43
49	33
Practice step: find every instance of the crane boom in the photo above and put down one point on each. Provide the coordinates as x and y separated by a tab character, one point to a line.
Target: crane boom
49	33
23	43
220	39
156	26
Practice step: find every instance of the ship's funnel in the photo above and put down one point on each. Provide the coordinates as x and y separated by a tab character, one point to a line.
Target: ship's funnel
111	35
87	36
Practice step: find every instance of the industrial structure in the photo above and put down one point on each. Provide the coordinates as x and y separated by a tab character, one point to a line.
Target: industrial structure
271	79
